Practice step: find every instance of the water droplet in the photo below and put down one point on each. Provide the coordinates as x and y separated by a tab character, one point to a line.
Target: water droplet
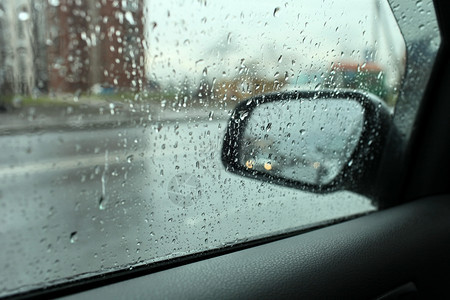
73	237
111	108
244	115
53	2
23	16
158	127
211	115
102	203
229	38
130	158
350	163
275	11
205	71
130	19
280	59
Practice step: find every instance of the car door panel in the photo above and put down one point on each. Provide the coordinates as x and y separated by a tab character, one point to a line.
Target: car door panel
363	258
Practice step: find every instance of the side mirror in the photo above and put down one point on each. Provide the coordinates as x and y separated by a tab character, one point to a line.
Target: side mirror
317	141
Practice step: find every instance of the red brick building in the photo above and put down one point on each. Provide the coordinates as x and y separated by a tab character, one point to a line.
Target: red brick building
96	43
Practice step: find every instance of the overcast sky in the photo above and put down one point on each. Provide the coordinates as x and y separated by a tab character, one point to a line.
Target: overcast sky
189	38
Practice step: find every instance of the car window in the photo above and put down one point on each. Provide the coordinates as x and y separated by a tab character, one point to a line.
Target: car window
113	115
417	20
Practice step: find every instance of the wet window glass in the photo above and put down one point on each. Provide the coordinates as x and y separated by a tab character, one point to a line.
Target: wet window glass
113	113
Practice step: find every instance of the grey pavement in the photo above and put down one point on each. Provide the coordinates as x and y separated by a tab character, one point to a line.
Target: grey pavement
34	118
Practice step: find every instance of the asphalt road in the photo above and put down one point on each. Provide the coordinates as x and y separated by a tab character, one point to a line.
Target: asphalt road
80	202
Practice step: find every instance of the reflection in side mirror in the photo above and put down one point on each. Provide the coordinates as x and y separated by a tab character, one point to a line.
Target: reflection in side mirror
316	141
303	140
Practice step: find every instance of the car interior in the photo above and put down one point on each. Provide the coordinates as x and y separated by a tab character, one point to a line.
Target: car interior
401	251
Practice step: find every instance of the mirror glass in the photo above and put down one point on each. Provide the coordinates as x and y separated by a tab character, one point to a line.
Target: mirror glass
303	140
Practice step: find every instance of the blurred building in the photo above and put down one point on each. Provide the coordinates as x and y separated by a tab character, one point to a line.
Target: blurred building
67	46
96	43
17	47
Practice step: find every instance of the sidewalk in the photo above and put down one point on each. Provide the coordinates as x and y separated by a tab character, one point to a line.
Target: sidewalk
32	119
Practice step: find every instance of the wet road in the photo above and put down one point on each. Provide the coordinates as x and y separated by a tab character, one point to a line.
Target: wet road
79	202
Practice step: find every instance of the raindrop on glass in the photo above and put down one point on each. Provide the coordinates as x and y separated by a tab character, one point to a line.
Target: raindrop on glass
73	237
275	11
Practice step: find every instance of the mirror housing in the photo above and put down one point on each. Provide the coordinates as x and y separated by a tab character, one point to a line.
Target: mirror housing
358	172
